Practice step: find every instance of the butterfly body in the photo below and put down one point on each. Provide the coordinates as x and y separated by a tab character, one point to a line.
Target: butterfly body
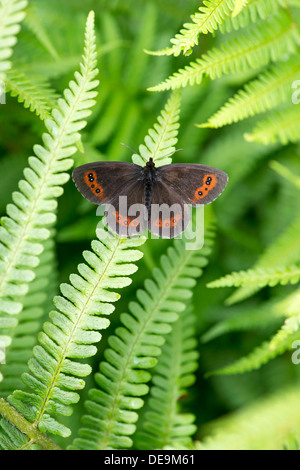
149	178
138	197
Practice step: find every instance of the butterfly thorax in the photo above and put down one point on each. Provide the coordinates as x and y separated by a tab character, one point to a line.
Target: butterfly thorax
149	175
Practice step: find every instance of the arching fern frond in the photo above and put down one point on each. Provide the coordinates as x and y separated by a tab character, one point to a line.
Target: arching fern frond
260	277
258	357
134	348
238	7
290	306
35	93
286	332
280	342
164	424
281	126
245	319
33	207
284	251
24	335
161	140
268	91
11	14
253	11
265	42
54	374
211	14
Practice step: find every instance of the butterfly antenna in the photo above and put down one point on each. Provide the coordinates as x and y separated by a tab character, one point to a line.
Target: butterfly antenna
172	153
130	149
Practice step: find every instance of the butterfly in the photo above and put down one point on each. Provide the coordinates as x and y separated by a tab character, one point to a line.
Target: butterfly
138	198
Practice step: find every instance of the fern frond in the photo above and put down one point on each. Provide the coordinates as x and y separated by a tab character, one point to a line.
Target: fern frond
264	425
284	251
11	14
34	93
161	140
268	91
238	7
134	348
244	319
288	329
260	277
24	227
24	335
212	14
281	341
164	424
290	307
253	11
258	357
282	126
262	43
54	376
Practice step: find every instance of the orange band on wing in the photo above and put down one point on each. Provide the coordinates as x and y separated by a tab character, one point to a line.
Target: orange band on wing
209	182
90	179
166	223
125	221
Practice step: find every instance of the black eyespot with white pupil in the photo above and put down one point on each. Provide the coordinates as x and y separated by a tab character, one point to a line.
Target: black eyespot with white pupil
200	193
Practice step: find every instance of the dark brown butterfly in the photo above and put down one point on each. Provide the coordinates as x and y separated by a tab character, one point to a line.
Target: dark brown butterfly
138	197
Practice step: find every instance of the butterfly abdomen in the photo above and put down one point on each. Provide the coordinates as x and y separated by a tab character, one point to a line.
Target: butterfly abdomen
148	184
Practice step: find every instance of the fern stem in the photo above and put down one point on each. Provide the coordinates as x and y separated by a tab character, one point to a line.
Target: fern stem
18	420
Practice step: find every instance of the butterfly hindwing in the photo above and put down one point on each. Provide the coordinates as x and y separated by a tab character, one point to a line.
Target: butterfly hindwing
126	214
169	216
194	184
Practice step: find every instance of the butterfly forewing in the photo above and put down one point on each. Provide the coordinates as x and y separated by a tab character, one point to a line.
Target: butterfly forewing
194	184
102	182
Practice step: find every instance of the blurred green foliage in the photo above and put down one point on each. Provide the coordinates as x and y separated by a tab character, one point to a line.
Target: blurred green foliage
256	219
